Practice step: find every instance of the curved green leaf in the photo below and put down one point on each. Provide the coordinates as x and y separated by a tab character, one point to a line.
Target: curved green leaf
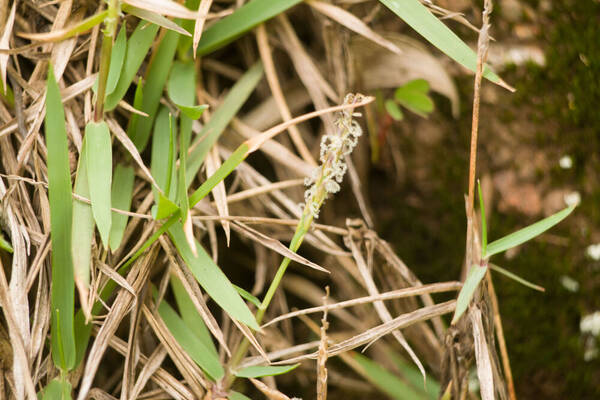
57	389
182	89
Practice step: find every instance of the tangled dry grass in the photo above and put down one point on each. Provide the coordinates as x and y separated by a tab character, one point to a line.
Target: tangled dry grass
140	347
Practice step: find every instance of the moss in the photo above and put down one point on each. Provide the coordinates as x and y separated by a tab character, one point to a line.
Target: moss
562	100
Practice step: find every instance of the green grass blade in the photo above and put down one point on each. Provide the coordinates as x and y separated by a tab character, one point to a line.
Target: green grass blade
162	164
474	277
523	235
57	389
220	174
258	371
137	48
517	278
116	60
247	295
99	169
122	191
187	339
418	17
191	317
241	21
483	222
212	279
219	120
164	207
156	77
83	227
61	216
385	381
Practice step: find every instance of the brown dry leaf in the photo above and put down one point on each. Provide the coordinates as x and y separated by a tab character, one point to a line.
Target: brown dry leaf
154	362
395	294
353	23
484	363
200	19
408	319
380	308
276	245
271	74
4	45
164	7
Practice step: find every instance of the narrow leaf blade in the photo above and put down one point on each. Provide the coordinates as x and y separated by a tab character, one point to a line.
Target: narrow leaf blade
61	216
212	279
418	17
475	276
258	371
190	343
523	235
122	191
99	169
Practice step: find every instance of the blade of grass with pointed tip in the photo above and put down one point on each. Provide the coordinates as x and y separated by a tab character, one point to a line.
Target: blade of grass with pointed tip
483	221
247	295
219	120
61	217
137	48
474	277
99	170
122	191
117	58
154	18
156	77
190	315
385	381
57	389
241	21
418	17
187	339
258	371
516	278
83	229
523	235
211	278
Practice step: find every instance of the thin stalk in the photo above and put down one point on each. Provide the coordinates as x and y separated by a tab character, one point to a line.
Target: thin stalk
105	55
482	48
